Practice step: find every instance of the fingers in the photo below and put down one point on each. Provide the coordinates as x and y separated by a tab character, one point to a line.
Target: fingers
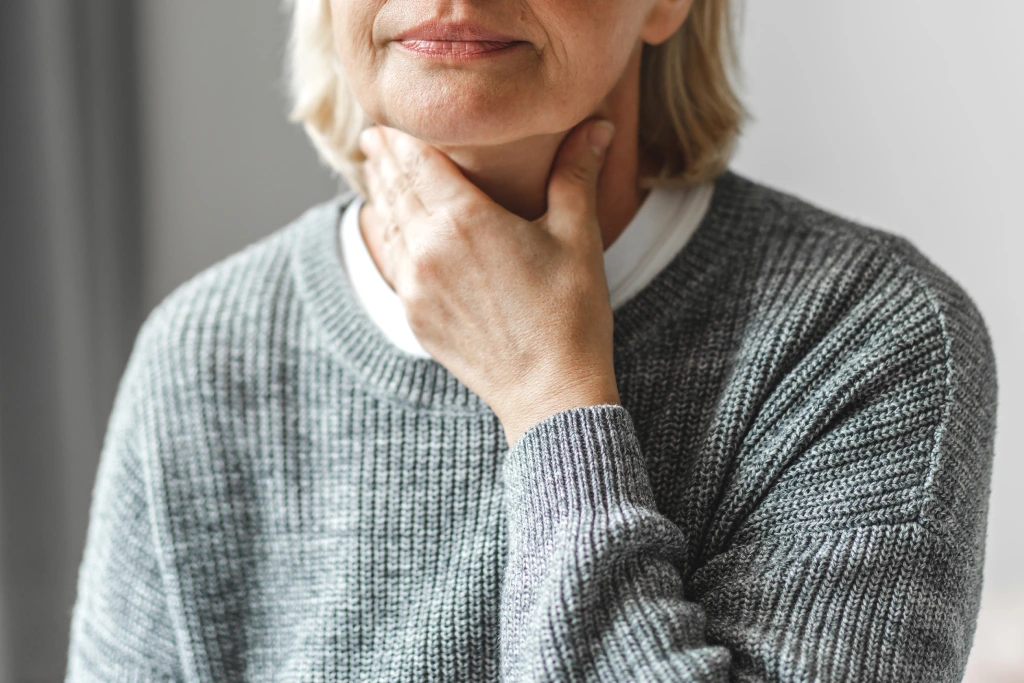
412	185
572	188
381	221
425	171
395	192
387	204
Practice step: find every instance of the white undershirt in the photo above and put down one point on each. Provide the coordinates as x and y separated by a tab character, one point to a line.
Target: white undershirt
660	228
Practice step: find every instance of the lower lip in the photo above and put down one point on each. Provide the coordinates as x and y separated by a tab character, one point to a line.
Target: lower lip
458	50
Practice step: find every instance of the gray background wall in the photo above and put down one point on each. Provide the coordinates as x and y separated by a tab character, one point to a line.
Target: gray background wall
221	164
904	114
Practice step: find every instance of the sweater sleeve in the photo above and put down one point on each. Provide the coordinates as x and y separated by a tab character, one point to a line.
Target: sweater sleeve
592	590
594	587
121	628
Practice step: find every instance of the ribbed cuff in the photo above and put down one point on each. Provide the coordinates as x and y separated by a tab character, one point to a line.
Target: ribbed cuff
584	460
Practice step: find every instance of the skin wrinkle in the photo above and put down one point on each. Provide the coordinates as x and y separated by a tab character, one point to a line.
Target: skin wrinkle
501	138
482	120
563	359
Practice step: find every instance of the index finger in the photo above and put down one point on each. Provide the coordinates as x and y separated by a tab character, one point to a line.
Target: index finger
437	180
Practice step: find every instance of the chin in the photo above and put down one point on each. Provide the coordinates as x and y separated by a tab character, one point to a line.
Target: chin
463	109
445	126
460	128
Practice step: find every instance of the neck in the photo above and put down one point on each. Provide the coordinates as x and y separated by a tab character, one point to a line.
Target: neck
515	175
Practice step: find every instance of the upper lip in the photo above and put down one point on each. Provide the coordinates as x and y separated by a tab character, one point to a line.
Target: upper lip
463	31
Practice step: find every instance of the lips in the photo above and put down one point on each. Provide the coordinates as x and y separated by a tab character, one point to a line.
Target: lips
456	41
454	49
460	32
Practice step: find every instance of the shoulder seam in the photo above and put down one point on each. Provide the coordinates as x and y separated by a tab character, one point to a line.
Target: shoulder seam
890	244
938	435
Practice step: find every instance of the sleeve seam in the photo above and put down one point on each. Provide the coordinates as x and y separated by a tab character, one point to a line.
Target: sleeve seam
892	246
942	428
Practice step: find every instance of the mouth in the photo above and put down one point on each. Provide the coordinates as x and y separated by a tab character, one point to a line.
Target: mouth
456	41
458	49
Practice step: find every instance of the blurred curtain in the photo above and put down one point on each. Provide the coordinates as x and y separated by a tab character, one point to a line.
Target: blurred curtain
69	298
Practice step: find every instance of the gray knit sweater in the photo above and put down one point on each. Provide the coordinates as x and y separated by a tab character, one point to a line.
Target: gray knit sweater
795	487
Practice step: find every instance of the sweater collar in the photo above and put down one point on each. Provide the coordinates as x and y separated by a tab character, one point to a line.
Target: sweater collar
391	373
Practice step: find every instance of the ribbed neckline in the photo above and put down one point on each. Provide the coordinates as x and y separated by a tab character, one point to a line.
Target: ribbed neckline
423	383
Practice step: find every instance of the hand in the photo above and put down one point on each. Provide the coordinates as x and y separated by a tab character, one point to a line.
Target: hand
517	310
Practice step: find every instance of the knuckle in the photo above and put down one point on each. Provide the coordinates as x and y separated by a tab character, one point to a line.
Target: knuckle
423	261
451	222
391	193
579	174
402	184
417	167
412	170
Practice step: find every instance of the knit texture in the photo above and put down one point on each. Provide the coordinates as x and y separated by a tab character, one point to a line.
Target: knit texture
795	487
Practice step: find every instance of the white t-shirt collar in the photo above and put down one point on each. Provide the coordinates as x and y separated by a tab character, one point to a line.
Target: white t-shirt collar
663	224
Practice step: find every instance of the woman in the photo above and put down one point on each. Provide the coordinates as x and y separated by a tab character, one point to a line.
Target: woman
636	417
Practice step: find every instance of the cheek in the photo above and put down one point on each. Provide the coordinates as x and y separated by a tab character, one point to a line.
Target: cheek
590	45
586	61
352	24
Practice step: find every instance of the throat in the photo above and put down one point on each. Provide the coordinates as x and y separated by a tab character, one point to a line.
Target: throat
516	178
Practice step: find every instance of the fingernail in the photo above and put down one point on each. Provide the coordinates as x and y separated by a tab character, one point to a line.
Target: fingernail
600	136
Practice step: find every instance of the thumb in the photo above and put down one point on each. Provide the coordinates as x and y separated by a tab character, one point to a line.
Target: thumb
572	188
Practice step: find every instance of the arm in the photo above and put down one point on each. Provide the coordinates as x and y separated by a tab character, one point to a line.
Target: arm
820	580
121	627
592	590
518	311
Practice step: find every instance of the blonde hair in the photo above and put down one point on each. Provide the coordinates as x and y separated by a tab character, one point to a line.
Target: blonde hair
690	114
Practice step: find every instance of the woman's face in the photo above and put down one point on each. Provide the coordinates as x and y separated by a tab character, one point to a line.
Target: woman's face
569	56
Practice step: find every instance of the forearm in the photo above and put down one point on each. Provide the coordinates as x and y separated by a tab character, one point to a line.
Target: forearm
595	587
592	589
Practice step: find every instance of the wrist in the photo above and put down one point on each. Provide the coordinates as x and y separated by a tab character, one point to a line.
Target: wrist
527	413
